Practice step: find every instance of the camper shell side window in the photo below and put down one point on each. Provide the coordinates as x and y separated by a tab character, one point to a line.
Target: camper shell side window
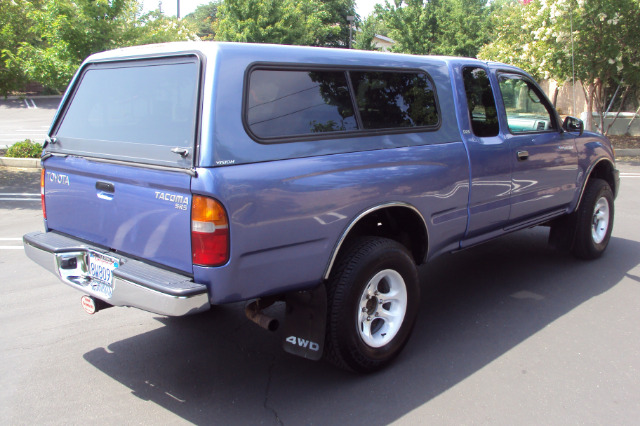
286	104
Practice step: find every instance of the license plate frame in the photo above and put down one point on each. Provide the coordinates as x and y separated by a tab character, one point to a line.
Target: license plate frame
100	269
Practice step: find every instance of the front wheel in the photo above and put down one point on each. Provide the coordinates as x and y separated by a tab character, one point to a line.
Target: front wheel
373	299
594	220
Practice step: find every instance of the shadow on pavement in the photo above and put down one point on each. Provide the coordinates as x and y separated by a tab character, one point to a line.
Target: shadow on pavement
14	184
476	306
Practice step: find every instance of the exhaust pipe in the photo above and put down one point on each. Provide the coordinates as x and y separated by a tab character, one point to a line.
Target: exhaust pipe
253	311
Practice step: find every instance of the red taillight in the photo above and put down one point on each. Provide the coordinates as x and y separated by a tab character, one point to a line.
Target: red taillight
209	232
44	209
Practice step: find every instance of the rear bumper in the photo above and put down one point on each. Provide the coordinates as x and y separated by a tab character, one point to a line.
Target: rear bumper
134	283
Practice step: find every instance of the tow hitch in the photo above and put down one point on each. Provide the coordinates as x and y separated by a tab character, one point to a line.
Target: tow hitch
91	305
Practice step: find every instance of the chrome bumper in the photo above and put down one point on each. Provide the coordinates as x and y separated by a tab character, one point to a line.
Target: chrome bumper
134	284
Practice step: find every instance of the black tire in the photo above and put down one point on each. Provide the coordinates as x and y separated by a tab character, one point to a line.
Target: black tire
594	220
357	338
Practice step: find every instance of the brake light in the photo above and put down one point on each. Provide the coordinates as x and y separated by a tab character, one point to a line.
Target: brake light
44	209
209	232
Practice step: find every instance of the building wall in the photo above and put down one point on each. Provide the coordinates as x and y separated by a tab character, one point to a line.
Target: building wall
565	106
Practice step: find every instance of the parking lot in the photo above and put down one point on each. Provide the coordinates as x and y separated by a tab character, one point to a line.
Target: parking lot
510	332
28	118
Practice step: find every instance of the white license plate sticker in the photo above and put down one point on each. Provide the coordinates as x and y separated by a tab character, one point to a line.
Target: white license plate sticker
101	271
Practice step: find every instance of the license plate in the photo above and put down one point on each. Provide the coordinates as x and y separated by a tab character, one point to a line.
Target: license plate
101	271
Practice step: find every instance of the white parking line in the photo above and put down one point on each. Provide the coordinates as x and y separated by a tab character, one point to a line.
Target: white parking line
10	239
19	196
25	194
30	104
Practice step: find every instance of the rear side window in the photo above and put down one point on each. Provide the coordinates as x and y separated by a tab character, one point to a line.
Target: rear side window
394	99
299	104
138	111
480	102
288	103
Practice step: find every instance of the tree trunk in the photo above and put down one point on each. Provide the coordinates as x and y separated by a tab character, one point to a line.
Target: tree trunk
589	94
594	93
631	122
624	97
554	96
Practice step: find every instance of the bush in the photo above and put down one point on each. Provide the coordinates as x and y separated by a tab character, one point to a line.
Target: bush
25	149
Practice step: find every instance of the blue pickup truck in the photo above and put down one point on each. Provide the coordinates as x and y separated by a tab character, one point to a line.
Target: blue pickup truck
185	175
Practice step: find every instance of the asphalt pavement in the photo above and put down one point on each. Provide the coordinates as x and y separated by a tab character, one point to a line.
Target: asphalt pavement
27	118
510	332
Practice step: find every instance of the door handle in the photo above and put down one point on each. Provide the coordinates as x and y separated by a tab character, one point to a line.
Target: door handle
105	186
523	155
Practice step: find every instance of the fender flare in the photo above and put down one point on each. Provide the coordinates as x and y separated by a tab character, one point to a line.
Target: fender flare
588	173
364	214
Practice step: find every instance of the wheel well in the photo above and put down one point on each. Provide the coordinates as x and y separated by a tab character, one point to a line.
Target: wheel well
402	224
604	170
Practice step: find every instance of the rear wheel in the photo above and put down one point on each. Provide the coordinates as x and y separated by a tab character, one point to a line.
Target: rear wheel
373	299
594	220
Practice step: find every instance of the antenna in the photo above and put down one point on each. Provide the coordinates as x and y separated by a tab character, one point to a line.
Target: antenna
573	72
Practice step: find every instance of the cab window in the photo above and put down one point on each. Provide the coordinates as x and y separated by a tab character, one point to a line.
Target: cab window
526	109
480	102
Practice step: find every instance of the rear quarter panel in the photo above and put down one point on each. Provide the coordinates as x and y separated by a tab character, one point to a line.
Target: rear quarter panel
286	216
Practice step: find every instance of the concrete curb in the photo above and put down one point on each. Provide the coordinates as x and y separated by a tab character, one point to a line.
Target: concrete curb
629	152
34	163
20	97
25	163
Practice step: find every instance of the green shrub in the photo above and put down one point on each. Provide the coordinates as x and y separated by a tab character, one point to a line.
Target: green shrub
25	149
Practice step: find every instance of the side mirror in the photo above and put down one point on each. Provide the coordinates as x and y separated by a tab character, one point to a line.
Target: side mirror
572	124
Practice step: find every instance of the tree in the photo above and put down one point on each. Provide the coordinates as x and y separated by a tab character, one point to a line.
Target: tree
367	31
203	20
55	36
441	27
461	27
154	27
14	30
312	22
537	36
336	16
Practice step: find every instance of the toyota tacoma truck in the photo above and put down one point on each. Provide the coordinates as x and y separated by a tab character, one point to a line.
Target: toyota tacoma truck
180	176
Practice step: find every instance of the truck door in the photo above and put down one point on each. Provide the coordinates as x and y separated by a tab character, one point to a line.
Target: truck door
489	156
543	158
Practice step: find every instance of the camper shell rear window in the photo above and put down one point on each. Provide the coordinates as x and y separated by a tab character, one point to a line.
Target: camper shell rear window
135	111
284	104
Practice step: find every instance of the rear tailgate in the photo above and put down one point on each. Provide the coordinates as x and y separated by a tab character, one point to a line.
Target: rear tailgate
138	211
120	160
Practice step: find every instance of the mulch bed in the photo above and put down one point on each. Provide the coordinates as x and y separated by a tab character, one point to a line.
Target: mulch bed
625	142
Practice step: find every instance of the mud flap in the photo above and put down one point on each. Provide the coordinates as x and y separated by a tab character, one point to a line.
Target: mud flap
305	323
562	233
